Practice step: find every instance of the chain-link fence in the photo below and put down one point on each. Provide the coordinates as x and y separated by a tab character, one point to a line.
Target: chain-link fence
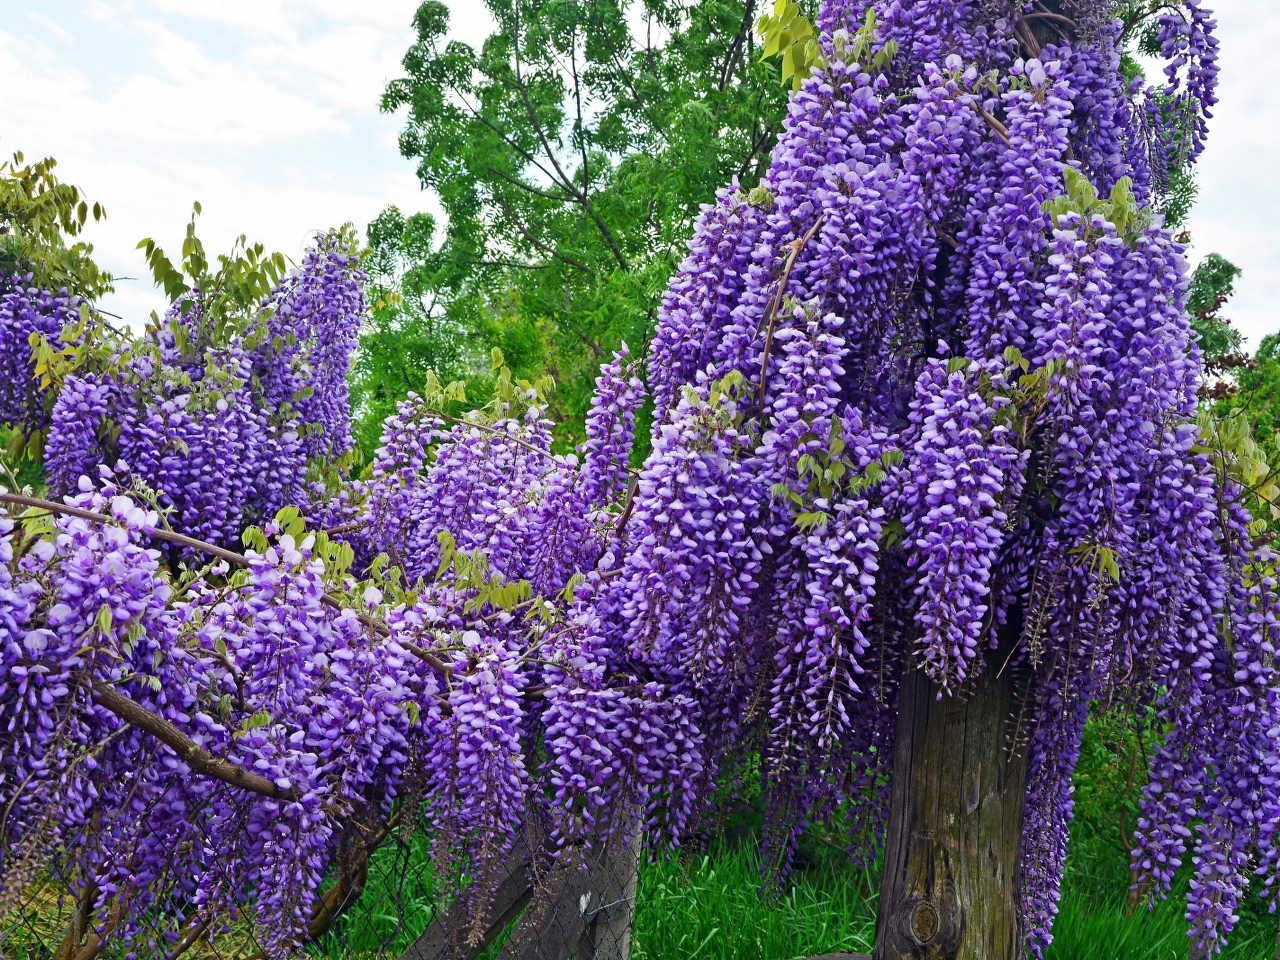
381	900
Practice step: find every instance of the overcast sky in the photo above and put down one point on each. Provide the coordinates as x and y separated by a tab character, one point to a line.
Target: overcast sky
266	111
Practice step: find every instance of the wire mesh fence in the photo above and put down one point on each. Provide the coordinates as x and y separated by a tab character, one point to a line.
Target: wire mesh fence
381	899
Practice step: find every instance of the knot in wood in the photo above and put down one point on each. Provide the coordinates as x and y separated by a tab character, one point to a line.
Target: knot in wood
924	922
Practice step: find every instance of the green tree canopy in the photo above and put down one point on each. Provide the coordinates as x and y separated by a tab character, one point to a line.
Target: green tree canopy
571	155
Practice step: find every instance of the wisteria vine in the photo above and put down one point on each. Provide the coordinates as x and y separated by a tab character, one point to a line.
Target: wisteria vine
932	370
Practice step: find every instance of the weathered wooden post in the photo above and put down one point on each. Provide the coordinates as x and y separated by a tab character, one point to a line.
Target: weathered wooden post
951	872
579	904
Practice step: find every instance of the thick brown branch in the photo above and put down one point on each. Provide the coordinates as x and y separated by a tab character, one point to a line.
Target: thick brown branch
98	939
1046	15
1022	30
192	937
351	527
70	945
430	659
195	756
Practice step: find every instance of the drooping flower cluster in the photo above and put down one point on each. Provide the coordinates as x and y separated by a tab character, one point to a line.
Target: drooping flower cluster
221	428
965	467
261	672
25	310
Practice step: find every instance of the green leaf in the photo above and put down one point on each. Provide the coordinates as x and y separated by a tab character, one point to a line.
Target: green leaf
103	622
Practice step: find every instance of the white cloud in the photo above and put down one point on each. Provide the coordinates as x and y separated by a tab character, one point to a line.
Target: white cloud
265	111
51	25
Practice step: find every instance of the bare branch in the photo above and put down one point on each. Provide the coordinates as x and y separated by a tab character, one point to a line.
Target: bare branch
735	48
565	180
223	554
796	247
345	528
529	188
545	248
997	127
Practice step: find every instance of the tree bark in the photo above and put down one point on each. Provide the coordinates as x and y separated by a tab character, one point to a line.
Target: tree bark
445	937
578	905
584	908
952	875
80	922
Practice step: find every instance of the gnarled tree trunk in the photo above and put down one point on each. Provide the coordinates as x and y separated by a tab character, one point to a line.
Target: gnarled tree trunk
951	873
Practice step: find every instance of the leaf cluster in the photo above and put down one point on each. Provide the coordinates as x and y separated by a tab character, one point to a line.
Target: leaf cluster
413	333
788	32
827	475
1212	284
222	299
40	221
1119	209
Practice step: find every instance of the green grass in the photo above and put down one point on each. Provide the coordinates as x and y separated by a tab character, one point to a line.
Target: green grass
710	910
1094	922
1087	930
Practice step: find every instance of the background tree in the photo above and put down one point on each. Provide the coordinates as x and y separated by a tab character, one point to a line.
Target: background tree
41	219
571	154
408	332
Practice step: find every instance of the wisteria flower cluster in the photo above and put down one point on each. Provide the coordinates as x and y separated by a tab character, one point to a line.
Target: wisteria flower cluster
220	425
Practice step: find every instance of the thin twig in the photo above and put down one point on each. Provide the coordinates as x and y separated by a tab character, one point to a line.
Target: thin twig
1046	15
996	126
222	553
796	247
629	506
493	430
345	528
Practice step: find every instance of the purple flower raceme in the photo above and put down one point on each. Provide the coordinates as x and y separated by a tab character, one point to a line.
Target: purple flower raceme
963	468
27	310
221	432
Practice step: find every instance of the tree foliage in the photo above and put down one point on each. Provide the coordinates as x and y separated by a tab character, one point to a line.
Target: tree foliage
40	220
570	154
